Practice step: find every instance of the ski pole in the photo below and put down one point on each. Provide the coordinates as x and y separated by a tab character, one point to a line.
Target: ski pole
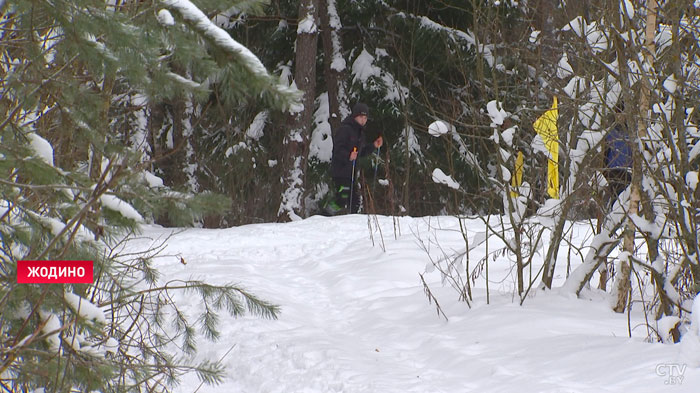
352	181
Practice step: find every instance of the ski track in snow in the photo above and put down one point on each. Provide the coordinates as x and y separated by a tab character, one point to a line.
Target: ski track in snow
354	318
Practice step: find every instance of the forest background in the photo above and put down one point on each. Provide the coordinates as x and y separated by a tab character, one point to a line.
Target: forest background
214	113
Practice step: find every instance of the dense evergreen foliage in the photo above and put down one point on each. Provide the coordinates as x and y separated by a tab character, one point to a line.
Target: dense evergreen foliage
80	83
118	113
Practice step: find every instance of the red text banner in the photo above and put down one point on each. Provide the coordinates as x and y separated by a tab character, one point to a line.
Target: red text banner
54	272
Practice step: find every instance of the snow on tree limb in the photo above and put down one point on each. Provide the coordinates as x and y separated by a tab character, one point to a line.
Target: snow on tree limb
440	177
600	247
85	308
201	23
125	209
456	34
42	148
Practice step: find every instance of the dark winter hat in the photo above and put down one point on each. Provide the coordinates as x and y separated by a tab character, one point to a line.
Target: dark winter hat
360	109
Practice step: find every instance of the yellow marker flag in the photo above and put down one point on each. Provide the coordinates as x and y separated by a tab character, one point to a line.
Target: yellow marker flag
517	177
546	127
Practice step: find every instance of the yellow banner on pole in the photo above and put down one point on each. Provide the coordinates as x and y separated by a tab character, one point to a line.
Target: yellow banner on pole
517	178
546	128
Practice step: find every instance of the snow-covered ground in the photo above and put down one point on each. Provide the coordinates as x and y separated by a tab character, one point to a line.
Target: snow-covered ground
354	316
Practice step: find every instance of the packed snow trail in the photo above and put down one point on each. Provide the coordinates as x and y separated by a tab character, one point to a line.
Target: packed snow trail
354	318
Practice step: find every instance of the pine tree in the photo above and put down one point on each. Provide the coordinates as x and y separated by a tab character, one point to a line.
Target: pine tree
78	81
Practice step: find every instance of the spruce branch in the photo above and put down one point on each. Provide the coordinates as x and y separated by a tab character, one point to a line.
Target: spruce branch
240	54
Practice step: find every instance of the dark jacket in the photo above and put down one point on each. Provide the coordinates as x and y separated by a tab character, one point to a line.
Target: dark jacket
348	136
618	152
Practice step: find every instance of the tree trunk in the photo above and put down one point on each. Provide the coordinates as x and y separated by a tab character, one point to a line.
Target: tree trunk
623	283
296	143
334	65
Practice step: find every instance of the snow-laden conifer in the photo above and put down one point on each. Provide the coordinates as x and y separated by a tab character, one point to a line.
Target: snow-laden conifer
79	80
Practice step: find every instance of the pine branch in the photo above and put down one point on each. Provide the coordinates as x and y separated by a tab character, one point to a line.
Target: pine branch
221	39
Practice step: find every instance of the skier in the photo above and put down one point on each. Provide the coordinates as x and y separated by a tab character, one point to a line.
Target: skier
348	145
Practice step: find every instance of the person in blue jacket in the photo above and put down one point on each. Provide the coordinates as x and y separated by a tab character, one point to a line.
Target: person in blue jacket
618	160
349	144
